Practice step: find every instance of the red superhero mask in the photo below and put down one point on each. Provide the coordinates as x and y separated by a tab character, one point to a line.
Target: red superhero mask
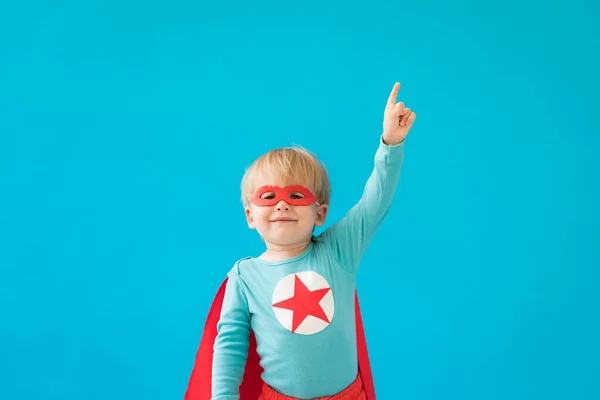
295	195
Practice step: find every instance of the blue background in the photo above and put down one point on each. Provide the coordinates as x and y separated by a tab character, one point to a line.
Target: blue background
125	128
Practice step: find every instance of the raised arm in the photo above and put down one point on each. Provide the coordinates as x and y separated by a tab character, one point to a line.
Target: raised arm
350	237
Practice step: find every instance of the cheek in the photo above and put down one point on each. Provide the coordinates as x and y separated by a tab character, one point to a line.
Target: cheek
308	215
261	214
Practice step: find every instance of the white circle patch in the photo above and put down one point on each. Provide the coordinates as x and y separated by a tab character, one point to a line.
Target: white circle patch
303	303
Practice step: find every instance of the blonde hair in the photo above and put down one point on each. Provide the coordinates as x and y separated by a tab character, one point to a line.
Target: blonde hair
292	165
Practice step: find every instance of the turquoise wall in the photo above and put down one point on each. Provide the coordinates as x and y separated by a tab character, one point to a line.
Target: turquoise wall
125	128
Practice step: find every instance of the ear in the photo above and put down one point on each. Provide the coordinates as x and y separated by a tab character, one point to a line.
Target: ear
249	218
321	214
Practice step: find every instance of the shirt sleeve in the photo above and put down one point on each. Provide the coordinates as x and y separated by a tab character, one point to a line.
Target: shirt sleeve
232	341
350	237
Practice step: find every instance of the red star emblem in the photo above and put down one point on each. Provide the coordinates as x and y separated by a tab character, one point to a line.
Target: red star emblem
304	303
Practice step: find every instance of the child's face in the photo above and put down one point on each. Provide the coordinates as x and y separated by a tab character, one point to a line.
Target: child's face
284	214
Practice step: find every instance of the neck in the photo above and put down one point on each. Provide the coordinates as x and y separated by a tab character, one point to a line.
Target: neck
276	252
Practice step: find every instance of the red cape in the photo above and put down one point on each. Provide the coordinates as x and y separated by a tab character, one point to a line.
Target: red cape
199	385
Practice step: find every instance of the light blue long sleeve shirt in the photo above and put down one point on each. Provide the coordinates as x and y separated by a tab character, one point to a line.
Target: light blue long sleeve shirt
307	345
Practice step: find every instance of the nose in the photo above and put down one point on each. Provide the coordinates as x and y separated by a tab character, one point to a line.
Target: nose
282	205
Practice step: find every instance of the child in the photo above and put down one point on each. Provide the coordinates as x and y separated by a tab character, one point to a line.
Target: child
297	298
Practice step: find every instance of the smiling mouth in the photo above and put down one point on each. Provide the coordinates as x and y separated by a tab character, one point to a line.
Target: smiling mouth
283	220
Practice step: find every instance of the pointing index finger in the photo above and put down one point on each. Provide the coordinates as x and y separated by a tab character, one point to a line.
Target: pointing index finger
393	95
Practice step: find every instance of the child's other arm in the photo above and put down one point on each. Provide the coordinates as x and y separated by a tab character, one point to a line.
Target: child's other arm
351	236
231	344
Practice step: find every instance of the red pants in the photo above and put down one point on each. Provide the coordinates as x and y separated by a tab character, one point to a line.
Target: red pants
353	392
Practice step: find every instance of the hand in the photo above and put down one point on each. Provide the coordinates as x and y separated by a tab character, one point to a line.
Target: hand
397	120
